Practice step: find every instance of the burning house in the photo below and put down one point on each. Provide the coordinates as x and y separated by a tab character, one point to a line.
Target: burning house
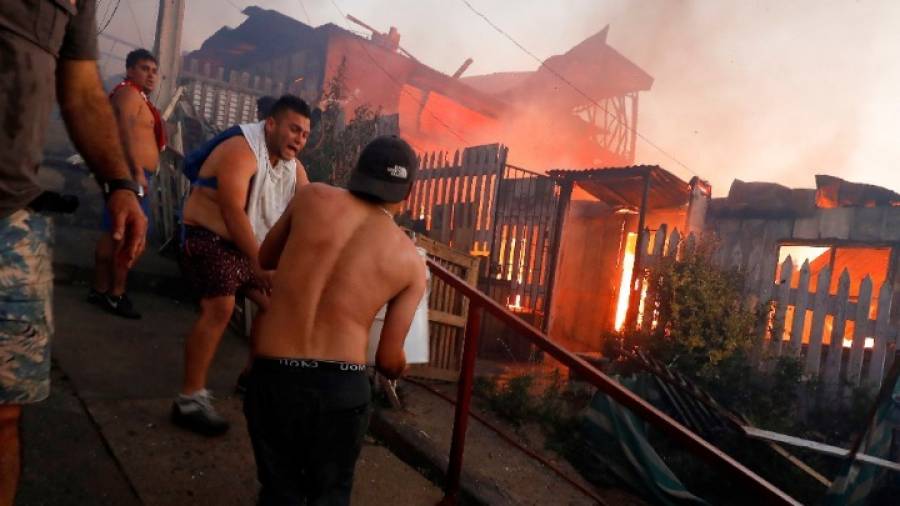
561	248
601	234
545	125
838	226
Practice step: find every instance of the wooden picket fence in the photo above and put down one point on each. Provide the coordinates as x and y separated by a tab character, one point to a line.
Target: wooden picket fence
813	326
850	318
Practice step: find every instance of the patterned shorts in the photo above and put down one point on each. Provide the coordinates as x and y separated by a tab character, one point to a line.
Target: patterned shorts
215	266
26	321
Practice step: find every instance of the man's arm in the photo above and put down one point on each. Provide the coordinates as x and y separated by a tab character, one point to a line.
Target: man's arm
273	245
302	177
127	104
389	358
234	166
91	126
89	118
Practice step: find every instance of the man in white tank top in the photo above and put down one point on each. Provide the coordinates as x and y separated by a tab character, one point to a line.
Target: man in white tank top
242	187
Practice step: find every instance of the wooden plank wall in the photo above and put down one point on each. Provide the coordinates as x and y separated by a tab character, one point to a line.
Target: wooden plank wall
447	312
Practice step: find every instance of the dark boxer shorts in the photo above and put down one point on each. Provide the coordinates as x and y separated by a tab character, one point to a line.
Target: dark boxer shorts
214	266
306	420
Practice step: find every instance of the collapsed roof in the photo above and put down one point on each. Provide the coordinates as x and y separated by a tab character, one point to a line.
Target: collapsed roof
592	66
771	200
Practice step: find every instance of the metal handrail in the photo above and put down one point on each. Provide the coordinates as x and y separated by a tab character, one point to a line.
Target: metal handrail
767	492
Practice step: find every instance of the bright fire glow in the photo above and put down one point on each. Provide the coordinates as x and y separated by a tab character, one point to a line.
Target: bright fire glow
625	283
869	343
515	306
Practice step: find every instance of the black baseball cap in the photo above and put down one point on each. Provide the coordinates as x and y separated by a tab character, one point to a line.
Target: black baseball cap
385	170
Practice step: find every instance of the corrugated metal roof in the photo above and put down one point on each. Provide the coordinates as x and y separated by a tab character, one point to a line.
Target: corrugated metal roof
624	186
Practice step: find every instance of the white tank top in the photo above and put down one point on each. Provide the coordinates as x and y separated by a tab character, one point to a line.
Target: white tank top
272	188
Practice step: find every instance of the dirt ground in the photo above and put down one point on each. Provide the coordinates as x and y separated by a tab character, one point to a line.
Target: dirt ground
523	479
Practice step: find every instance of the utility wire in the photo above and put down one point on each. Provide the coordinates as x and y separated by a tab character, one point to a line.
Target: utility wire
134	20
111	16
577	89
400	85
305	12
105	9
240	11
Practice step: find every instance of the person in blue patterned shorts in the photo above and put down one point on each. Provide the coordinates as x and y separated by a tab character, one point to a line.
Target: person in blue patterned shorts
47	46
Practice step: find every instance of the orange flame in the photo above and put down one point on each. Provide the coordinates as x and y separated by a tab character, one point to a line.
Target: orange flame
625	282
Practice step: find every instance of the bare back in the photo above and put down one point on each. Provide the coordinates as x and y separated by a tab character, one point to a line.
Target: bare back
342	260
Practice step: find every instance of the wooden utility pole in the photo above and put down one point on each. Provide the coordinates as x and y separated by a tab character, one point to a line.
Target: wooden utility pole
167	49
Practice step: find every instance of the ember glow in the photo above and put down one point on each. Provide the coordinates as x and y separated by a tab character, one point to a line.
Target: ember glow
625	283
516	305
870	342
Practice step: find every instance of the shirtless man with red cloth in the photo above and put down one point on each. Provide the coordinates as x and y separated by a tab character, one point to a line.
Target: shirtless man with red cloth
143	137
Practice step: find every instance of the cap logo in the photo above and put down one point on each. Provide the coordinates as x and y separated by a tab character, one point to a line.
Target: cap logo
397	171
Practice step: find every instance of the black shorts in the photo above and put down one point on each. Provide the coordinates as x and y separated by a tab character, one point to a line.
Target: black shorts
306	420
214	266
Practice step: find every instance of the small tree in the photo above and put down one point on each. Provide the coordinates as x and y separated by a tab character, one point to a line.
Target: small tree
334	143
701	309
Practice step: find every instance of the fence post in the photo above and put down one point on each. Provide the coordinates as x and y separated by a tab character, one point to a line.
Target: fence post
784	297
832	372
820	310
882	331
463	402
800	306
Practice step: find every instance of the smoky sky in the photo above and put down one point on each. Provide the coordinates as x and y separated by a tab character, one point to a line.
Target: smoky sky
756	90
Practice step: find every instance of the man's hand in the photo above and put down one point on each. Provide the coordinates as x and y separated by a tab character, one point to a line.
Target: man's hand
129	226
264	277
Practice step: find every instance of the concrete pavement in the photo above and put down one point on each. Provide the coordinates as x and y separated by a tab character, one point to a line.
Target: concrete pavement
104	436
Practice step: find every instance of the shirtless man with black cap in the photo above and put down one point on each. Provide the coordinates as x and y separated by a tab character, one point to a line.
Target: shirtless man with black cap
338	258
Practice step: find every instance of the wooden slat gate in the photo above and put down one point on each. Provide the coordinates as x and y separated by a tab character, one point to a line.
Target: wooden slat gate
447	312
476	203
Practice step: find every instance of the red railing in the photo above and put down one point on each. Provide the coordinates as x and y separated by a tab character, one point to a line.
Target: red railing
768	493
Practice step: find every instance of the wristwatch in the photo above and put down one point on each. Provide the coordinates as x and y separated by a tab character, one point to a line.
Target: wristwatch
121	184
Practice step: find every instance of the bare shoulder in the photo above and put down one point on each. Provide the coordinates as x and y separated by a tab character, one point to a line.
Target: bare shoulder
316	199
318	191
234	153
413	262
302	177
127	97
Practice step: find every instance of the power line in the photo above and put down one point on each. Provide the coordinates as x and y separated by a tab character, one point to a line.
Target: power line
577	89
400	85
134	20
305	12
235	6
111	16
105	10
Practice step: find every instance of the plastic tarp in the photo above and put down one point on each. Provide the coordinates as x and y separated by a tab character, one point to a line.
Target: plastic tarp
858	480
633	461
